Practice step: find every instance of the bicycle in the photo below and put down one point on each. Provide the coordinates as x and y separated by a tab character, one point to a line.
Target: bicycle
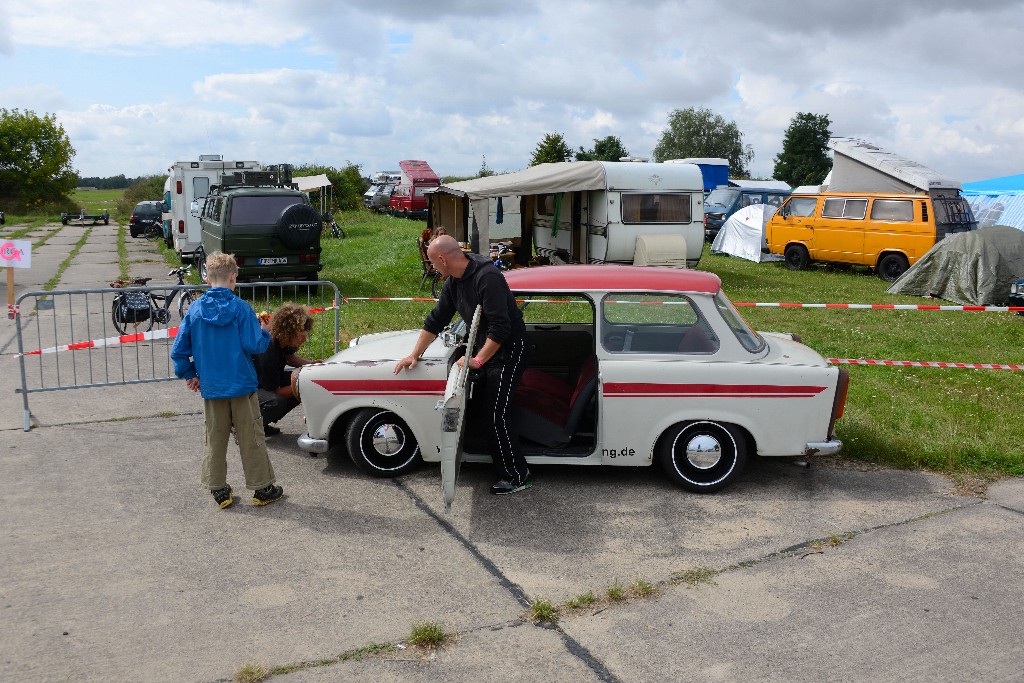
137	309
337	232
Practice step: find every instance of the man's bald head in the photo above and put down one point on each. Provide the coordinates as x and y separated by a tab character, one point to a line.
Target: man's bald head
443	245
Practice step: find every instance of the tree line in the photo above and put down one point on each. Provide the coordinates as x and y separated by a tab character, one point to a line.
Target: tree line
36	172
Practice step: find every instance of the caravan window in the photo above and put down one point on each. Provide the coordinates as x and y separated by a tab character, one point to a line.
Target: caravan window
840	207
200	187
892	210
546	205
655	208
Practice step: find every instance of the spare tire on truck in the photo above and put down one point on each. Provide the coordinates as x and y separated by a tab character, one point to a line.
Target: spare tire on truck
299	226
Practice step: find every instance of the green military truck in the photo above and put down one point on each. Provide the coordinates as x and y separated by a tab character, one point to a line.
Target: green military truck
266	222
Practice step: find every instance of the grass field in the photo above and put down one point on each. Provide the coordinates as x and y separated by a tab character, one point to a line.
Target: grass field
950	420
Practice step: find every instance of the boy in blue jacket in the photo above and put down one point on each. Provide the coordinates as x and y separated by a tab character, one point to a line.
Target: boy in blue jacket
213	353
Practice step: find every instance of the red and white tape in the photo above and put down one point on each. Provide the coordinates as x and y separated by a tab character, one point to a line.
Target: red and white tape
169	333
924	364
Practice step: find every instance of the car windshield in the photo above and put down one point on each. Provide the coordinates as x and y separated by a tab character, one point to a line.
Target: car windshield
722	197
260	210
147	210
746	335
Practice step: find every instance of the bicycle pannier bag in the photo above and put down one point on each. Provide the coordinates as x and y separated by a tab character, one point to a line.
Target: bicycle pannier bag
134	307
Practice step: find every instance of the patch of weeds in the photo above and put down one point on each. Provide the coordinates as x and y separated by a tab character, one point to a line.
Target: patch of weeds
251	673
616	591
428	634
582	600
543	610
361	653
167	413
122	253
696	576
642	589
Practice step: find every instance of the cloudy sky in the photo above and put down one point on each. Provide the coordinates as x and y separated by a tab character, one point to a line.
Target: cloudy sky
138	85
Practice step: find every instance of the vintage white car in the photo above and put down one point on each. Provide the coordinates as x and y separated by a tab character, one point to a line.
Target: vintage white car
630	365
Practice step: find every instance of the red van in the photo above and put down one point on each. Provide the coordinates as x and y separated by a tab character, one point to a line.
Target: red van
408	199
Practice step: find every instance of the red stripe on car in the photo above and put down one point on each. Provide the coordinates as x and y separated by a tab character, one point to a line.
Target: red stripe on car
379	387
650	390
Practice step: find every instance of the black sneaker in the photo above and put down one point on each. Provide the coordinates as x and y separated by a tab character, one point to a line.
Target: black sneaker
505	487
268	494
223	496
271	430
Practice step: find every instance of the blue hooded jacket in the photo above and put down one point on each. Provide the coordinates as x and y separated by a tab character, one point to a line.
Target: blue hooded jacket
216	341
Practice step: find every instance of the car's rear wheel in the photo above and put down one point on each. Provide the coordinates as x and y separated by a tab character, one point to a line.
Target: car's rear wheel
797	257
200	259
380	443
703	456
891	266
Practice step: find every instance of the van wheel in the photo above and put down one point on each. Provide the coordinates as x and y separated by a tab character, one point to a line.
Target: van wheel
703	456
891	266
797	257
200	259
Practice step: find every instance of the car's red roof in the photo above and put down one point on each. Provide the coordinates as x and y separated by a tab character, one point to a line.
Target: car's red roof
580	278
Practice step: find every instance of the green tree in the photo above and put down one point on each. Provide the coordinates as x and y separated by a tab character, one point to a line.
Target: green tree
804	156
606	149
142	189
484	170
701	133
551	149
35	161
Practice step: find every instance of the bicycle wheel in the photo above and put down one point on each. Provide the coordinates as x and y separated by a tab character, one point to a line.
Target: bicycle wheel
187	297
154	232
126	327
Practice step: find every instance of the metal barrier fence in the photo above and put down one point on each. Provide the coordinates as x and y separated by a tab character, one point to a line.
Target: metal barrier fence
69	339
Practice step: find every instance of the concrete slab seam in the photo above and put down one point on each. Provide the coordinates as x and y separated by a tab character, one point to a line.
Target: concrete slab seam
573	646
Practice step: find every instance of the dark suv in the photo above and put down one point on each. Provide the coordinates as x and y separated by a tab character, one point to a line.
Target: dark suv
268	224
144	215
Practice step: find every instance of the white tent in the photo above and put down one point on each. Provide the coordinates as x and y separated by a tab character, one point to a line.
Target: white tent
743	234
308	183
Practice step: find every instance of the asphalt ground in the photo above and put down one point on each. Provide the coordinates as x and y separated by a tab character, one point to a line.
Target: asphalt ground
117	565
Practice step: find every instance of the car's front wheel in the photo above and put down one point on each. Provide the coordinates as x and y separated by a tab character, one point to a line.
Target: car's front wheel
380	443
797	257
891	266
703	456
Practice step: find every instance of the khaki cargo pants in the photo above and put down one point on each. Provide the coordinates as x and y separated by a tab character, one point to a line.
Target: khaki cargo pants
243	413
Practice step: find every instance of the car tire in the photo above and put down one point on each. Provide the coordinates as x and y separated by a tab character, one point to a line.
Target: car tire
892	266
134	232
797	257
381	444
703	456
299	226
200	259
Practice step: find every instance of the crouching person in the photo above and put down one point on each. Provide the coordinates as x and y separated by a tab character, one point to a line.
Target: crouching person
213	353
289	328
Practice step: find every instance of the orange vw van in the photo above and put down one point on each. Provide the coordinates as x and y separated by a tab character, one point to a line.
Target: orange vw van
886	232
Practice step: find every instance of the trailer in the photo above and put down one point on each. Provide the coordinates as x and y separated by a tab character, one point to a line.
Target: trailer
81	217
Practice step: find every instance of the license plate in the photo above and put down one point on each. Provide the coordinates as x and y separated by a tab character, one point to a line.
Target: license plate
272	260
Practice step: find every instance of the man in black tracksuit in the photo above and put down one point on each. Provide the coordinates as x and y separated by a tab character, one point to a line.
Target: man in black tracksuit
471	279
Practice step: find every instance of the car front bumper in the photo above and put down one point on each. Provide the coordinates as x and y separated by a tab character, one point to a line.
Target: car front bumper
311	445
823	447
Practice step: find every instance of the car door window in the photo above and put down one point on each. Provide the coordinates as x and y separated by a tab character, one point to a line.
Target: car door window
800	207
655	323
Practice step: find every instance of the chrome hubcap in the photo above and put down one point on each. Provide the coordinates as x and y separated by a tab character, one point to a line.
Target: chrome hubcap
703	451
388	439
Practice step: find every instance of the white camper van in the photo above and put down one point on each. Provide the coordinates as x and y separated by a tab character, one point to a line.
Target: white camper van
188	185
585	211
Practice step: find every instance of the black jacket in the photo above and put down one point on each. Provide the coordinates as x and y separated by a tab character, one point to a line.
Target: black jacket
482	283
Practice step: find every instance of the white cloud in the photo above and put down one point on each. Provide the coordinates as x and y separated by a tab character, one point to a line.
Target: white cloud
454	80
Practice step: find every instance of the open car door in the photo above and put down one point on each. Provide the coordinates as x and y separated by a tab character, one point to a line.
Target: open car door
453	419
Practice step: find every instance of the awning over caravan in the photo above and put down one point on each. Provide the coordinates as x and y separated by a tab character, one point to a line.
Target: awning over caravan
311	182
566	176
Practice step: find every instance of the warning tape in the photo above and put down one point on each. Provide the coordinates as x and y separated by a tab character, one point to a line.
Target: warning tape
924	364
747	304
169	333
890	307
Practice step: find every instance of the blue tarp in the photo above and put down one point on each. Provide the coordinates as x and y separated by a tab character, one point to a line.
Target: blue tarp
997	201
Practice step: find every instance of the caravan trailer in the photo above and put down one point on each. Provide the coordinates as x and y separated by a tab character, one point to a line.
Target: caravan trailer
584	212
188	185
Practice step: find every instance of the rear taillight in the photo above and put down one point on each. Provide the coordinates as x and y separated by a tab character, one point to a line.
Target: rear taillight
240	260
181	227
307	258
839	402
705	221
177	187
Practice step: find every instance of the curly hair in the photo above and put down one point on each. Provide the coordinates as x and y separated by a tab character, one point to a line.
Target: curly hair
289	320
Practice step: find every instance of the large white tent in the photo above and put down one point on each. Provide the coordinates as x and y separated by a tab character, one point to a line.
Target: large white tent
743	234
